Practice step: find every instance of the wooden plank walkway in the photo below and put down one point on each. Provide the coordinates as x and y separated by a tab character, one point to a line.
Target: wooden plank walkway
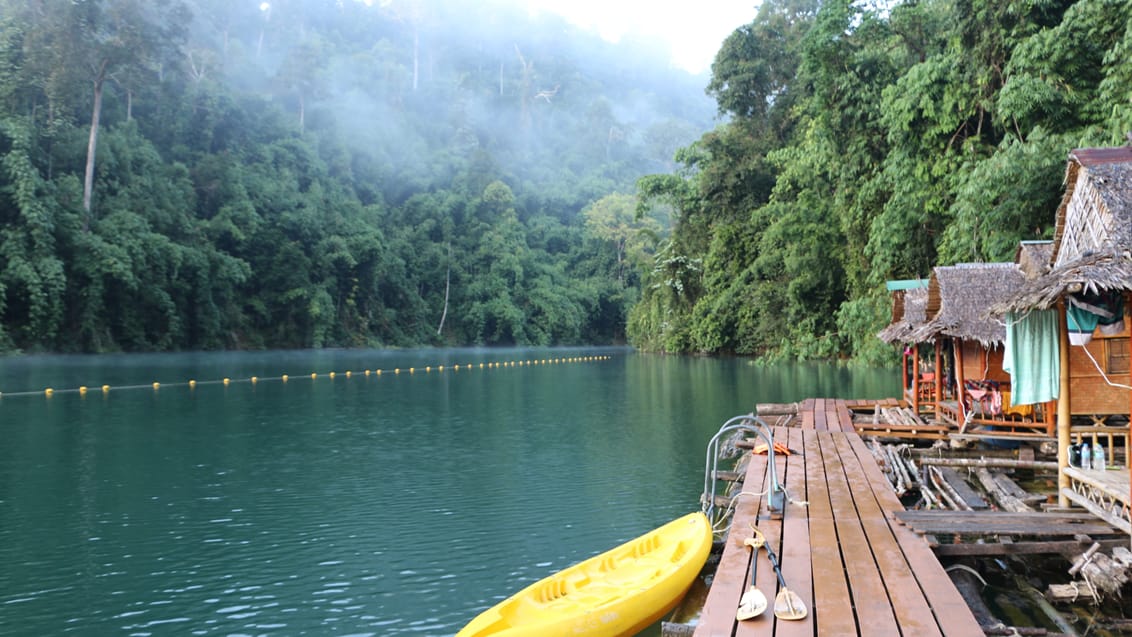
858	569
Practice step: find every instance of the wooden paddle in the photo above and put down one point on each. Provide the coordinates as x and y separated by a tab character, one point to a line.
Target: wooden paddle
787	604
753	603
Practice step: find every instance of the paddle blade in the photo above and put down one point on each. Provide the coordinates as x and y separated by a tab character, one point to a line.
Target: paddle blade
788	606
751	605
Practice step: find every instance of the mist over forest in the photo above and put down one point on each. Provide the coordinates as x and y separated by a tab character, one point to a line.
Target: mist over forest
316	173
311	173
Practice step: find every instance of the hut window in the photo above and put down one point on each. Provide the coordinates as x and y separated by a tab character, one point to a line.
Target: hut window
1117	353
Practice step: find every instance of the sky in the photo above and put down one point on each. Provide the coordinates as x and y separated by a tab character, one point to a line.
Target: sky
693	29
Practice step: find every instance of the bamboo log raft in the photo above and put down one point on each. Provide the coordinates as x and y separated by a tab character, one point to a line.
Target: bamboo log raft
776	409
1006	500
997	463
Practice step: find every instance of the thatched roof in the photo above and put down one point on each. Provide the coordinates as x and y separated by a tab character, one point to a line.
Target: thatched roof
1095	214
959	299
1093	272
1094	232
907	315
1034	257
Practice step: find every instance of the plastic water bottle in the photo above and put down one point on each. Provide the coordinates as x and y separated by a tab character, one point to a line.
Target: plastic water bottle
1098	457
1086	456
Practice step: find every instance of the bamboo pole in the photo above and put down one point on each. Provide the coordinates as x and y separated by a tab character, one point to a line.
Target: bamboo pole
1063	413
1062	624
938	392
999	495
916	377
998	463
960	384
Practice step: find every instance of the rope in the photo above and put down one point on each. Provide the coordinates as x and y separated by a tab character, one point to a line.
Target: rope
82	390
1098	366
964	567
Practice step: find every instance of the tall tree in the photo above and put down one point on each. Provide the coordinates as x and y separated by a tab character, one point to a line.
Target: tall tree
100	40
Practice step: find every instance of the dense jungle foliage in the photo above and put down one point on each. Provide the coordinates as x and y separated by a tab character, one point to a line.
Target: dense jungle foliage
202	174
316	173
867	142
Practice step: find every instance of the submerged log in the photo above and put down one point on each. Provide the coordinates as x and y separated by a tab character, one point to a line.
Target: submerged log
669	629
1054	616
970	586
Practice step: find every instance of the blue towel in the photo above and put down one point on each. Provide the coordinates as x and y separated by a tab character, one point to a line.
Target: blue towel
1033	357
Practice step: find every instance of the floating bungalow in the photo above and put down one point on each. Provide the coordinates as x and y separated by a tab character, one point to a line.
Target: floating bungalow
1068	327
957	351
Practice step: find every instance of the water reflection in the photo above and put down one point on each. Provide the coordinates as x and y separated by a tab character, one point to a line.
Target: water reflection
370	505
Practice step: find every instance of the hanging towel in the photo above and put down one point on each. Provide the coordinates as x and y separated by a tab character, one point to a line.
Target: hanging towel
1033	356
1081	323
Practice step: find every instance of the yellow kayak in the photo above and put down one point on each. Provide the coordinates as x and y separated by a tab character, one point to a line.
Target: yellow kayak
620	592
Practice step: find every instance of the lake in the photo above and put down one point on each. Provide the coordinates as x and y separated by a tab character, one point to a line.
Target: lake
393	503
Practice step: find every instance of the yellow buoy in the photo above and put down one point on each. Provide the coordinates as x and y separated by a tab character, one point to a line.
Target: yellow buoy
396	370
428	368
192	384
367	372
332	374
82	390
156	386
227	381
254	380
440	368
349	373
314	375
412	370
284	378
378	372
48	391
106	389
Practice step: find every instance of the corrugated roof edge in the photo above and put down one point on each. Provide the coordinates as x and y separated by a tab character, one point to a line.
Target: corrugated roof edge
906	284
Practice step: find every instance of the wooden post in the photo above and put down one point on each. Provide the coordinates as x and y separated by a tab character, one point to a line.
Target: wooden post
938	376
904	369
916	378
1049	412
960	380
1063	413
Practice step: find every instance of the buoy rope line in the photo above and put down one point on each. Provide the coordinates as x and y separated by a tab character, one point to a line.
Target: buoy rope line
82	390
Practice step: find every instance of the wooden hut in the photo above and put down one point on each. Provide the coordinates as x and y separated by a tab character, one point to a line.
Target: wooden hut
972	385
909	298
1091	259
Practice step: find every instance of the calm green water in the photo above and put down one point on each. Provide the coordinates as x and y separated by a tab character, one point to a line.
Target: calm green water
380	505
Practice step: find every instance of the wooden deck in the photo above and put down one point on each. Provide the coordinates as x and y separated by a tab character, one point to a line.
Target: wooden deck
1105	494
858	569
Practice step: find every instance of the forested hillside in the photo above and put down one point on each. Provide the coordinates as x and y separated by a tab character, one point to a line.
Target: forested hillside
871	141
201	174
